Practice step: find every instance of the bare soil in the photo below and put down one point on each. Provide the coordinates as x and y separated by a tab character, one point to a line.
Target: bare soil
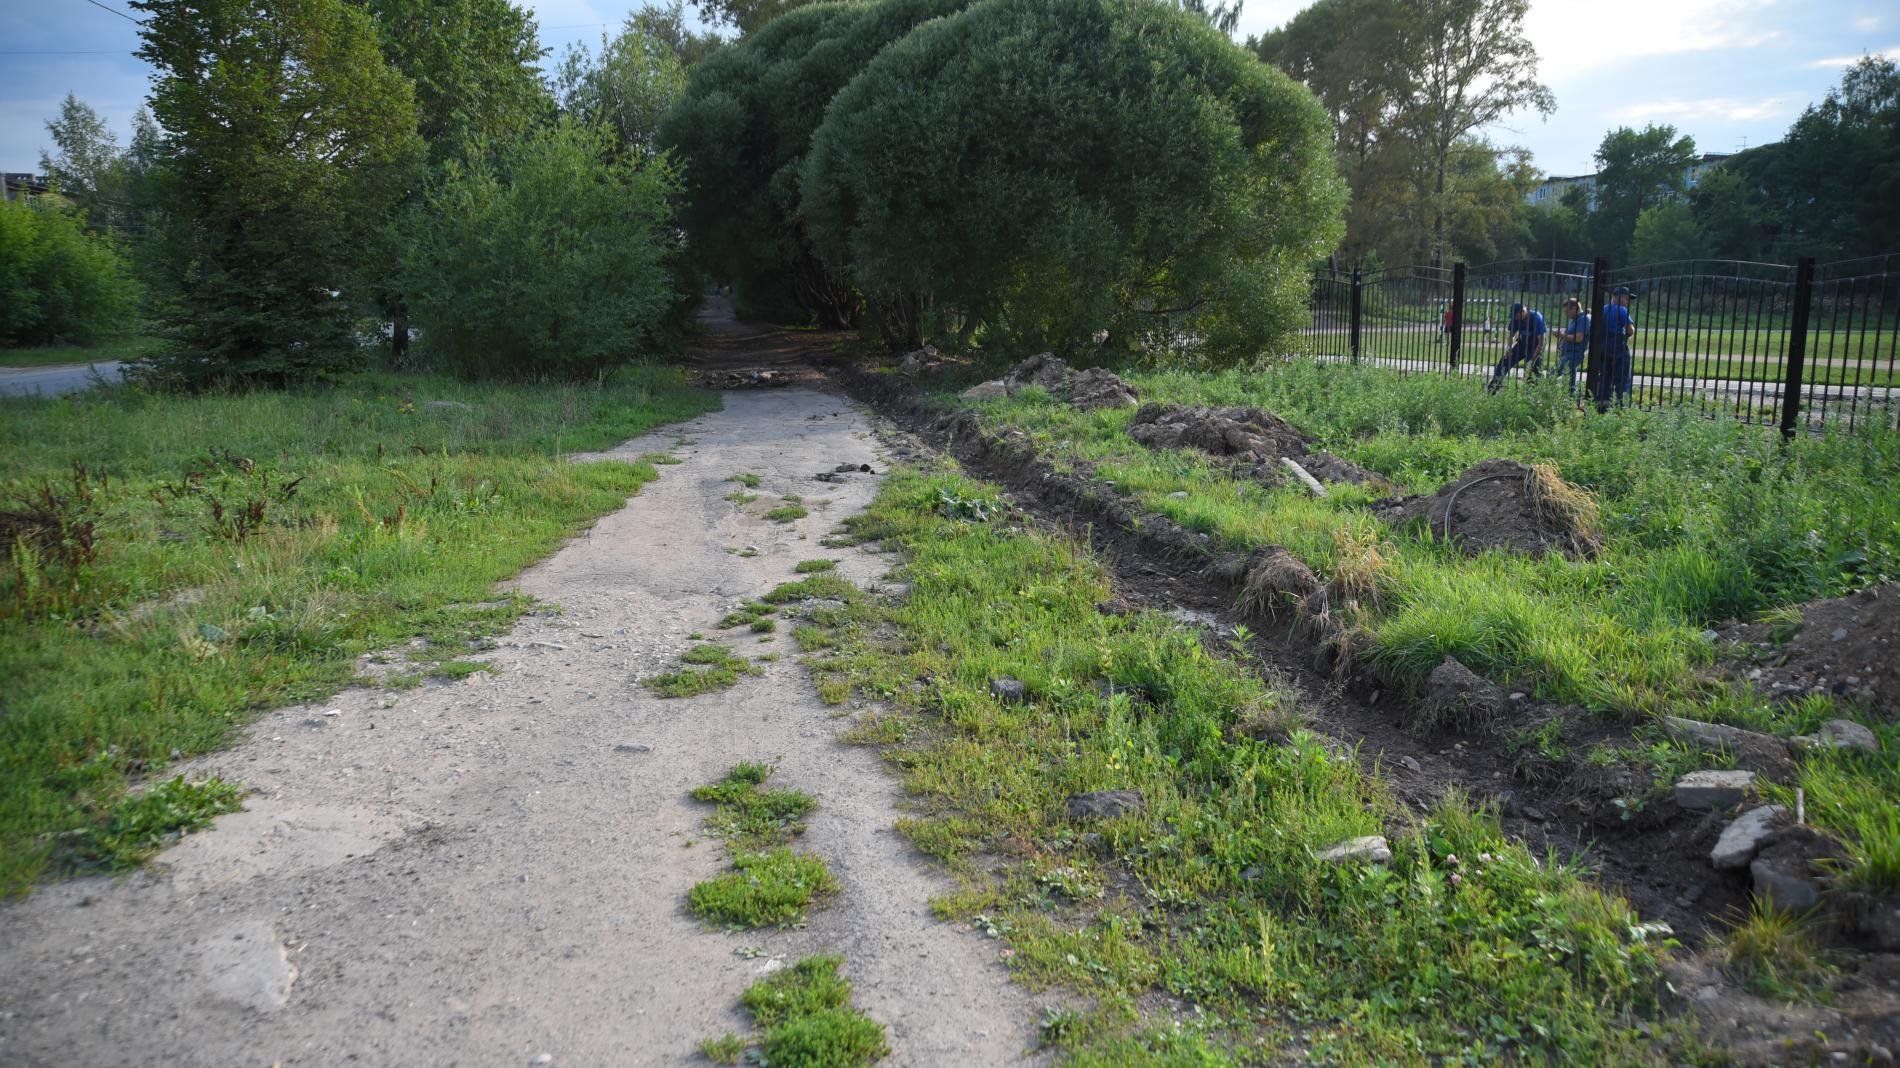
1847	646
491	869
1496	504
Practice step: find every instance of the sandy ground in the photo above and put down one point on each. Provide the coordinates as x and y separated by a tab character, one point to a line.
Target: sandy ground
486	871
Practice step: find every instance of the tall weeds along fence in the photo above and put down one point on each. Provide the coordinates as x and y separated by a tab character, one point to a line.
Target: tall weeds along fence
1783	345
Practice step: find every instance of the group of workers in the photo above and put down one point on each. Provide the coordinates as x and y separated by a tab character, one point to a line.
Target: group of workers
1526	331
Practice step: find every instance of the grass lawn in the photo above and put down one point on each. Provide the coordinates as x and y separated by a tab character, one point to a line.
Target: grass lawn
1705	521
1202	927
246	548
130	348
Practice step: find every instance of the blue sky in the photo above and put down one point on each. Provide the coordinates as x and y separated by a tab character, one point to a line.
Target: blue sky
1727	72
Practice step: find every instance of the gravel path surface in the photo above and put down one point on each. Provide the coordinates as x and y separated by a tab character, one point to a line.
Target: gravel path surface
490	870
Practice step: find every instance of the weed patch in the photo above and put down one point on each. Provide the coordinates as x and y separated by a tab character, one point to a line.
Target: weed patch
769	884
708	668
141	824
810	567
746	479
786	513
805	1020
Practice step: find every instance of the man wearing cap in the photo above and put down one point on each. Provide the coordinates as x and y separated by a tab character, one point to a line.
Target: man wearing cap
1576	340
1526	342
1618	328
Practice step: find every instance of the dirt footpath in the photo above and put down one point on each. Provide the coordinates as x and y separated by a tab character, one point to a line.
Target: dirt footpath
490	870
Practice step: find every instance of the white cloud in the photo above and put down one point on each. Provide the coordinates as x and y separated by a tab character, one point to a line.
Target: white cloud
1838	62
1725	109
1867	23
1566	47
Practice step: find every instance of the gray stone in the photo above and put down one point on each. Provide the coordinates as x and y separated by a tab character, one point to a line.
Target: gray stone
1881	922
1411	764
1372	848
632	747
1704	790
1764	753
1009	691
1744	837
449	405
1843	734
991	390
1105	804
1779	882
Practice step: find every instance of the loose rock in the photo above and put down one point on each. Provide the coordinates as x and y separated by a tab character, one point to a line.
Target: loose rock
991	390
1842	734
1745	836
1105	804
1372	848
1705	790
1009	691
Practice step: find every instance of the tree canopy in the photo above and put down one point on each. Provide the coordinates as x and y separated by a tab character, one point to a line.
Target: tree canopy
1057	167
286	139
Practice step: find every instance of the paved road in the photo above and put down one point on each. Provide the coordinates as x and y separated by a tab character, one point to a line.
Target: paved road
52	381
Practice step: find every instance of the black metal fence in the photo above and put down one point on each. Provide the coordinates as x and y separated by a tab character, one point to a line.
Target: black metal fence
1774	344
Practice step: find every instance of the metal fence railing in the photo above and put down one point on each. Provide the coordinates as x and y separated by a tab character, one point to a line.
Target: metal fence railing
1775	344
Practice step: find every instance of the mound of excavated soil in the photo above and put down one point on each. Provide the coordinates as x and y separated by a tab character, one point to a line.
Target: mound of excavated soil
1503	504
1251	435
1848	646
1090	389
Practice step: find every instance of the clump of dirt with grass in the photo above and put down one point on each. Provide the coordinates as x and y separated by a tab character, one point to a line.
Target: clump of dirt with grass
769	884
1252	437
805	1020
1505	504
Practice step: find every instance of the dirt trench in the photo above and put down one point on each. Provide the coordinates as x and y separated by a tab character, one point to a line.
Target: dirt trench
1661	866
493	870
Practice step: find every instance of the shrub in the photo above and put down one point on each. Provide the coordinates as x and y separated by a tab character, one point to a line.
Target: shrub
58	283
1055	167
551	262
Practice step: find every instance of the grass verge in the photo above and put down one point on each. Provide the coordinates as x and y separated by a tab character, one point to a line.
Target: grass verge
1704	521
215	555
1463	947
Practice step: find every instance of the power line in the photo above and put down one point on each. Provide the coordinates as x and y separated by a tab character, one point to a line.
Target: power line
115	11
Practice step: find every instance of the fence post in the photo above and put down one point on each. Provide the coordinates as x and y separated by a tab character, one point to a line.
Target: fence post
1595	382
1358	284
1457	340
1797	343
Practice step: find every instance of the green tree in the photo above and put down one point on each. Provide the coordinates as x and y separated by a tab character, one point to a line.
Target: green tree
1556	231
1342	50
742	131
87	162
1729	211
1853	132
1474	67
284	127
1055	167
746	16
475	68
58	283
633	81
666	23
551	259
1667	232
1636	170
1409	82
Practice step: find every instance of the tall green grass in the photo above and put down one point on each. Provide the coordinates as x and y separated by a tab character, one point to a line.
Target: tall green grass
379	517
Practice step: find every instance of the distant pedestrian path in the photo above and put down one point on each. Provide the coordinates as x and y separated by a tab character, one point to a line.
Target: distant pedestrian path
53	381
